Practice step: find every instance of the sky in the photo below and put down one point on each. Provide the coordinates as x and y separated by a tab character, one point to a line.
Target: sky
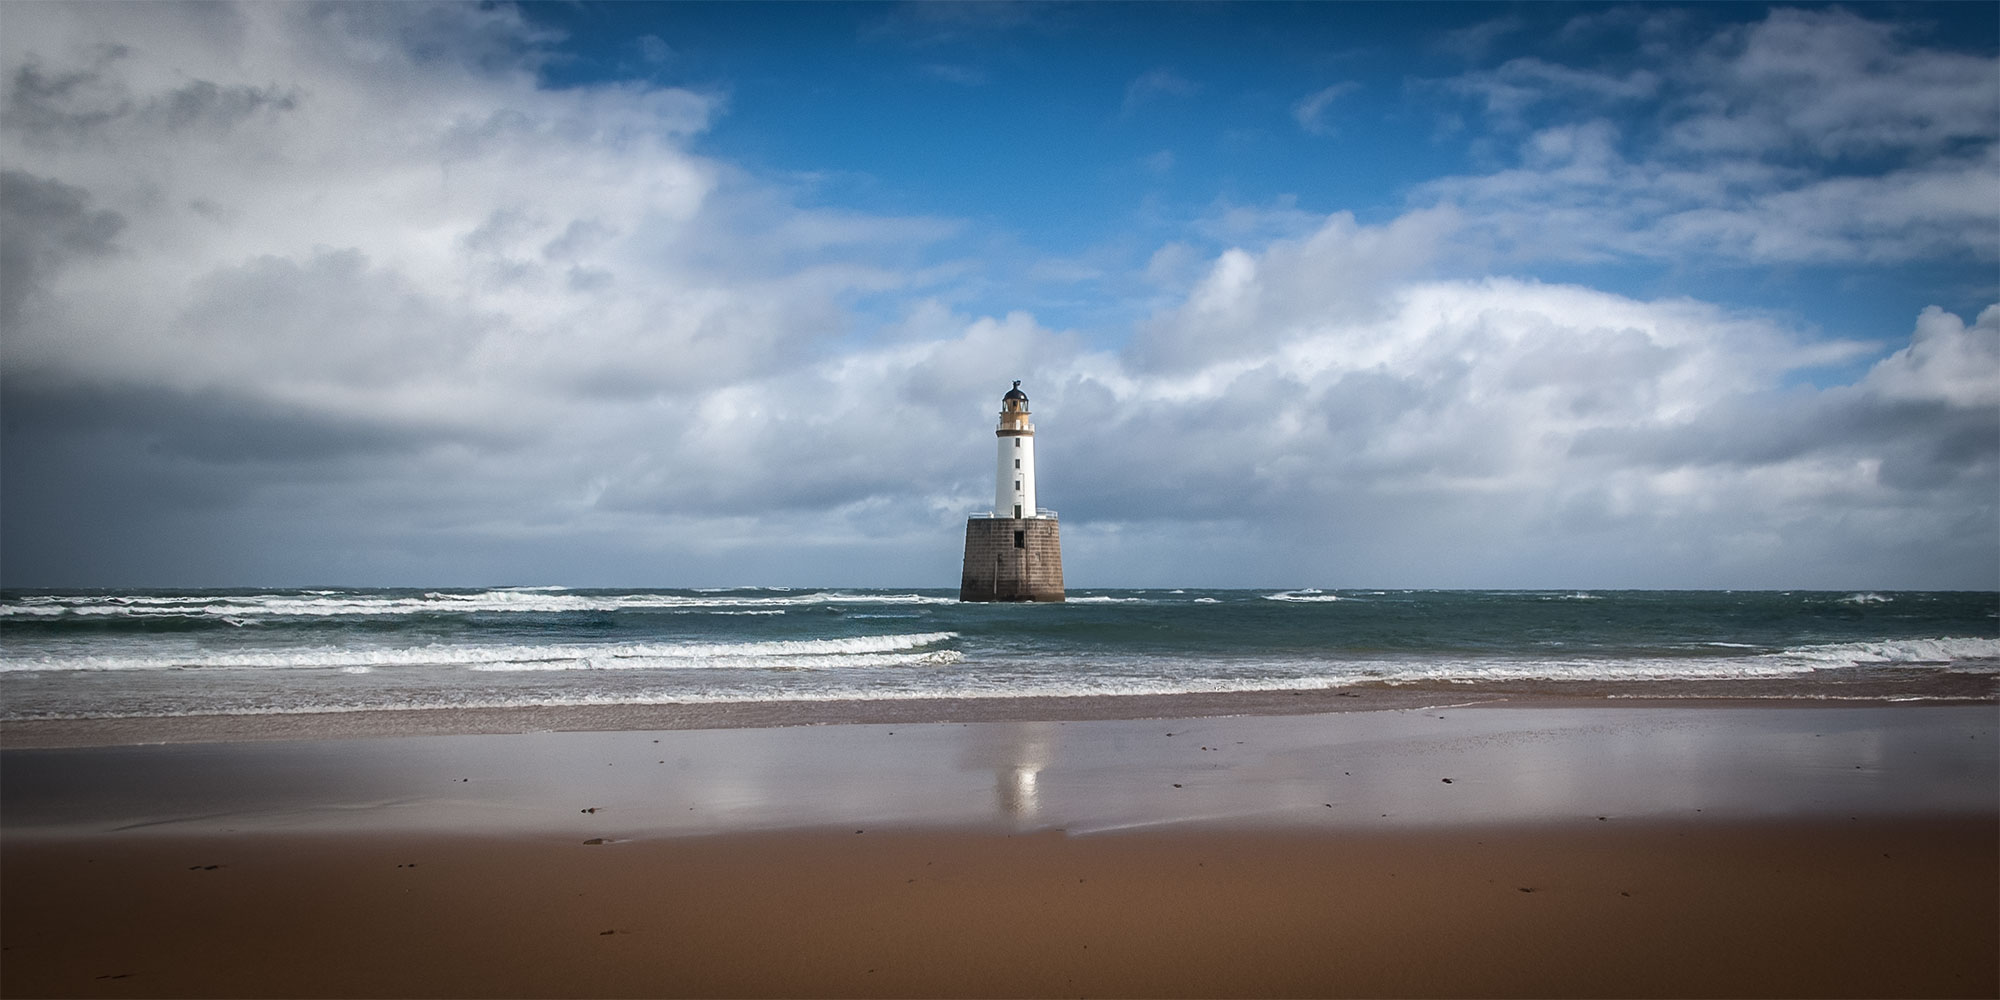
1333	295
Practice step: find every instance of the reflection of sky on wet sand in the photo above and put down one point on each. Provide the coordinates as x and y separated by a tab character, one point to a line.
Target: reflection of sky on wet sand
1379	769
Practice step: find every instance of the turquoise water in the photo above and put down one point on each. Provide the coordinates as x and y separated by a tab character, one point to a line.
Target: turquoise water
125	653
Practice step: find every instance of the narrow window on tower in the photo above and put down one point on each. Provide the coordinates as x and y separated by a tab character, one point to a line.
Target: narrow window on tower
1020	538
1017	510
1017	463
1017	484
1017	442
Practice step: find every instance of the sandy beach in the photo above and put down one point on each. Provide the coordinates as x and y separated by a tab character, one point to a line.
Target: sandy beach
1637	850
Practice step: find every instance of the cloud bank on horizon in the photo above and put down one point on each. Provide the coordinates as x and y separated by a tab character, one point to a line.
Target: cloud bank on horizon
1592	296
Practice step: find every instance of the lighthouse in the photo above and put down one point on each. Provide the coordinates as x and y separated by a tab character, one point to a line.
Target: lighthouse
1015	552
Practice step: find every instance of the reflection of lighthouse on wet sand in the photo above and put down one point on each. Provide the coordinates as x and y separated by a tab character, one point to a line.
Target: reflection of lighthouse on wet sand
1016	753
1014	553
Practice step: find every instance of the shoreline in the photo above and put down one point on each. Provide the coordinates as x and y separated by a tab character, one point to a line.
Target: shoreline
1931	688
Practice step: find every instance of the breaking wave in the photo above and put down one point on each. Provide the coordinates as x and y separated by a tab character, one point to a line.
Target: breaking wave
1305	596
793	654
333	604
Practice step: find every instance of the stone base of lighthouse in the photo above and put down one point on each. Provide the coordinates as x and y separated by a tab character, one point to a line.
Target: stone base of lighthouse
1012	559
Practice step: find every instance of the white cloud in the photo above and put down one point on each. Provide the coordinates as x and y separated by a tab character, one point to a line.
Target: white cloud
1337	271
1310	111
964	76
1947	362
1518	84
1809	136
1834	84
654	49
1501	432
1472	433
1155	84
477	256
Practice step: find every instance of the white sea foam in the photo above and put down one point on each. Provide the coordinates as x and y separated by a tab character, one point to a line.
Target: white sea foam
1866	598
1978	655
332	605
1161	677
1306	596
639	656
831	661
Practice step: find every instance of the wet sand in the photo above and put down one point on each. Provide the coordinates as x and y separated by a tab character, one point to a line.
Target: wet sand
1636	851
1900	908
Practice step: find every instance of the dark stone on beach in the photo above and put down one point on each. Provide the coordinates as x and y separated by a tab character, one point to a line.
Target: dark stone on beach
592	809
1526	889
1447	781
603	933
1177	785
594	841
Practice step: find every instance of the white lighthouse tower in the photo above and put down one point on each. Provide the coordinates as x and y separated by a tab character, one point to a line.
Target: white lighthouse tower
1014	553
1014	482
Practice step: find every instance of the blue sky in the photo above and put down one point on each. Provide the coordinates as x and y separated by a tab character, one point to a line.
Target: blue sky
709	294
1095	133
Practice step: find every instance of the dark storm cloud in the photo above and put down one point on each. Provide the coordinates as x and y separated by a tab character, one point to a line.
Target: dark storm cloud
46	224
1921	444
214	428
49	106
142	482
49	103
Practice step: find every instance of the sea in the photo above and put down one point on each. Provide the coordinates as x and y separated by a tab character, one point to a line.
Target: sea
136	654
